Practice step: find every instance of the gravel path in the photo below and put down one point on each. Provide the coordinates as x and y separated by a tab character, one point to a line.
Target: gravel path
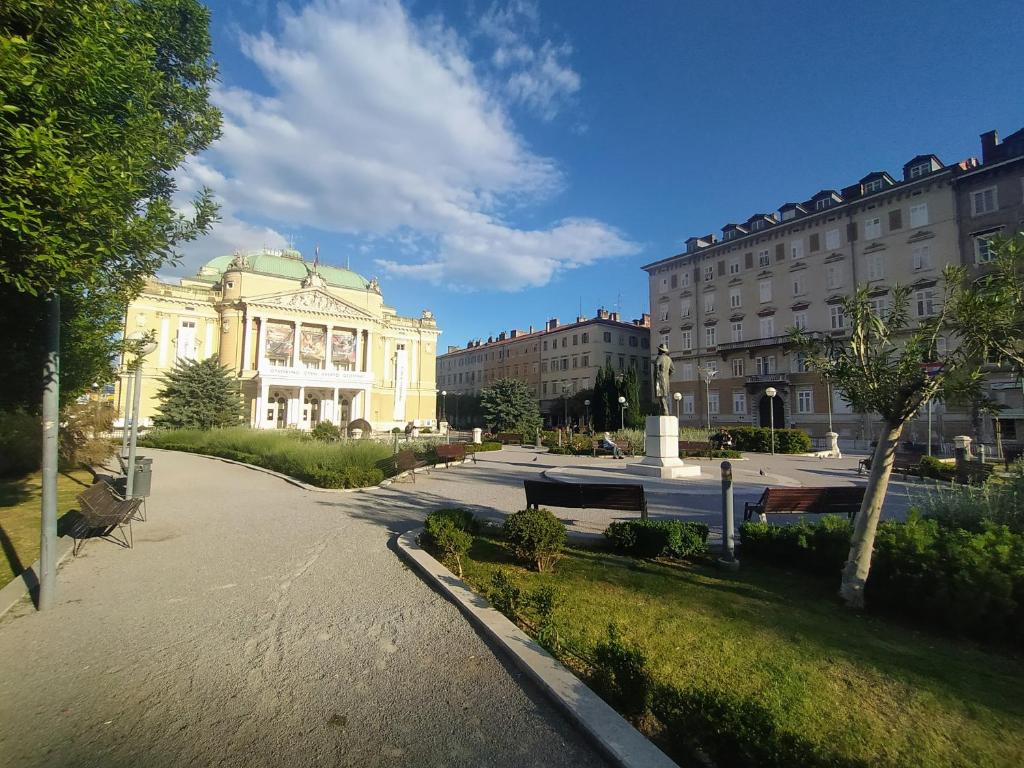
255	623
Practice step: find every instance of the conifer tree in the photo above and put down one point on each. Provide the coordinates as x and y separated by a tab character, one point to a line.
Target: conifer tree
199	394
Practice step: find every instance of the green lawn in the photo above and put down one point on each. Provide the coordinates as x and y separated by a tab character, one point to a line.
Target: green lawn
856	687
19	517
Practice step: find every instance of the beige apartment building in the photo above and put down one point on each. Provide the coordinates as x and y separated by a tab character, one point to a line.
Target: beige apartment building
725	307
555	362
307	342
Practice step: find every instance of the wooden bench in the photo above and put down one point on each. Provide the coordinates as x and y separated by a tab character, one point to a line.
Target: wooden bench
904	463
104	514
806	501
694	446
509	438
403	461
454	452
622	445
623	497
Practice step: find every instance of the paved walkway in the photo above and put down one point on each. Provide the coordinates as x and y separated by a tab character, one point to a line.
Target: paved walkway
257	624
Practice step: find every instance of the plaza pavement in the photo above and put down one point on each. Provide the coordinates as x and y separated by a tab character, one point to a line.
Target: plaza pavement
257	623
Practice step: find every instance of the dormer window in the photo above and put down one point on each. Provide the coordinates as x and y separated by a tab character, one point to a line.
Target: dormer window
758	225
730	234
821	205
919	170
875	185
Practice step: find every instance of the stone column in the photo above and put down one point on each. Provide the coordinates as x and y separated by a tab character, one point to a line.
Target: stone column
261	342
302	406
337	409
358	349
962	448
246	340
368	364
262	402
164	340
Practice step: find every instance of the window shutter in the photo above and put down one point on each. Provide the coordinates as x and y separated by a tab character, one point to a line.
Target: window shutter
780	251
815	242
851	232
895	219
748	260
721	268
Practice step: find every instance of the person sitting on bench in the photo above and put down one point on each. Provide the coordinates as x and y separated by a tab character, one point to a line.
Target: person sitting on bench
608	444
721	440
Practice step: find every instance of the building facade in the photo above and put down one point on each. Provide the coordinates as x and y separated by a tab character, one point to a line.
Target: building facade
307	342
556	362
725	306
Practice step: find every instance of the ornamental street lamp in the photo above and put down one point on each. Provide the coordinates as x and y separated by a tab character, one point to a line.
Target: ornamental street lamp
444	402
622	412
708	373
146	347
770	392
586	406
677	396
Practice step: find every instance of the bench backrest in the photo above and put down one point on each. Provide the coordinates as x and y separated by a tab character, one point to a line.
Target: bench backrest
453	451
100	505
405	460
836	500
509	438
617	496
693	445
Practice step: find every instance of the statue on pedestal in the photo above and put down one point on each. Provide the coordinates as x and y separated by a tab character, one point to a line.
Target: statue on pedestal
663	369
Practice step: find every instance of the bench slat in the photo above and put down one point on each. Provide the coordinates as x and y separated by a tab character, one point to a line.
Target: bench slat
624	497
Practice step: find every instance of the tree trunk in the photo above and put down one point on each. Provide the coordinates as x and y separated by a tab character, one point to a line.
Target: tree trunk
858	563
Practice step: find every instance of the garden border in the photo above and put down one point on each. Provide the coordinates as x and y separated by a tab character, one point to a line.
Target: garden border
21	585
617	739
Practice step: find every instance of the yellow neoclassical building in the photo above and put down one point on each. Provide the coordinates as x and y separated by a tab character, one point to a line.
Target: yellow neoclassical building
308	342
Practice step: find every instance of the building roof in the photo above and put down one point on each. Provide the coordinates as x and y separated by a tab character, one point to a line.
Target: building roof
288	264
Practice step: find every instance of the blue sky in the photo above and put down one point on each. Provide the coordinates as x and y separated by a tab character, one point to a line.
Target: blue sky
505	162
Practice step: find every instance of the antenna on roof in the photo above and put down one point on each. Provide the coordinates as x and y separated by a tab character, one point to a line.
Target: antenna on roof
348	262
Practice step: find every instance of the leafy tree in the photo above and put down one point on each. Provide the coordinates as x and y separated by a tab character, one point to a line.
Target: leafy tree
99	103
199	394
880	369
509	405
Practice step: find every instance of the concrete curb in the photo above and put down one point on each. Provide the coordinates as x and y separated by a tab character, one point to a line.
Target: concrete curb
307	486
22	585
617	739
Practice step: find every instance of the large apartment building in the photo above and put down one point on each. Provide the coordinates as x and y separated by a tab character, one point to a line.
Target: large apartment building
724	307
555	362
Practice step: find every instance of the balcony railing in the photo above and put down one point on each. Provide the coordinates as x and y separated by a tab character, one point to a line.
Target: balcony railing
767	378
767	341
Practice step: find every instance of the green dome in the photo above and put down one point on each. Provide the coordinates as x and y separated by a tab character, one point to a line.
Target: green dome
288	264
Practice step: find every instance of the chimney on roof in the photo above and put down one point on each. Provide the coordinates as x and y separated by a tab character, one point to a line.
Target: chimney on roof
644	321
453	348
602	313
490	339
989	141
614	317
513	333
581	319
531	329
552	324
968	164
501	336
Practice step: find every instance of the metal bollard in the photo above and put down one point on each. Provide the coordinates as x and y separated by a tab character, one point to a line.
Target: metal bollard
728	559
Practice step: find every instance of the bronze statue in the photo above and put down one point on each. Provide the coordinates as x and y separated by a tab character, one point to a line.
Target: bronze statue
663	369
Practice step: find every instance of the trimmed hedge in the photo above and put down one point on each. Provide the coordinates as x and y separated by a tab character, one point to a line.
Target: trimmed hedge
961	582
654	538
482	447
536	536
931	467
758	440
449	533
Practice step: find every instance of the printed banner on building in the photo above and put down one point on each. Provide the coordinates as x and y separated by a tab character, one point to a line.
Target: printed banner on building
343	347
313	344
280	340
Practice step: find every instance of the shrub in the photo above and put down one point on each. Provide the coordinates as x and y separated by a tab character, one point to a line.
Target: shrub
544	600
443	535
463	519
621	676
758	439
820	547
482	447
20	443
326	431
932	467
653	538
536	536
504	594
998	501
735	732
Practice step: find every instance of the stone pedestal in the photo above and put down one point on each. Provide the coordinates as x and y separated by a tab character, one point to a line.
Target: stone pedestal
661	445
833	445
477	435
962	448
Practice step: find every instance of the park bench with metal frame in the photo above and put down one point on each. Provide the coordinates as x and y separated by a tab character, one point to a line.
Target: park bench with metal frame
903	463
509	438
621	497
401	462
695	446
104	514
454	452
836	500
623	446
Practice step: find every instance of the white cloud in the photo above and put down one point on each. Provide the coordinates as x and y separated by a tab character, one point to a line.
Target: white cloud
378	127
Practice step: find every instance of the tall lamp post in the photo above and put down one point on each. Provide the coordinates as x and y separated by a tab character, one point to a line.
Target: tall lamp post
144	349
771	392
677	396
586	406
708	373
444	402
622	412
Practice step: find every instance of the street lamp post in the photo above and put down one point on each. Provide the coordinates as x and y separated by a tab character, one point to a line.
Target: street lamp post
144	349
586	405
771	392
622	412
677	397
444	403
708	373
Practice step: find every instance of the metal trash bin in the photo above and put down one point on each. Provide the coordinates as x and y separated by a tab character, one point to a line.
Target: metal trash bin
143	477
